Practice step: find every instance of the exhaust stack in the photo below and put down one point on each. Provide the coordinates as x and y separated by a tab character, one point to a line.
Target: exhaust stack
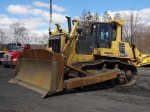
69	23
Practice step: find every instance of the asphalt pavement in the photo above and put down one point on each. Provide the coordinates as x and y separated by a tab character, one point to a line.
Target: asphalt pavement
135	98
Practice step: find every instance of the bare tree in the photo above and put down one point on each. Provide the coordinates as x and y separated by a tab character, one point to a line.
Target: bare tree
144	40
86	19
19	33
35	38
117	15
43	40
3	37
133	24
106	16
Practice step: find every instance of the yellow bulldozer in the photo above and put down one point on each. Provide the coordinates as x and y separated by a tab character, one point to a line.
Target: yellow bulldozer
73	60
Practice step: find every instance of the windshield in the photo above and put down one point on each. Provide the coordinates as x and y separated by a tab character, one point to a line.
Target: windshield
103	32
10	46
17	49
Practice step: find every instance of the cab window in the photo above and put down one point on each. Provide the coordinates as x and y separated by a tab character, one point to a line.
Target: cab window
103	32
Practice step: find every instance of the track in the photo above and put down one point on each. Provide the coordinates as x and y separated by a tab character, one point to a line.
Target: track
128	72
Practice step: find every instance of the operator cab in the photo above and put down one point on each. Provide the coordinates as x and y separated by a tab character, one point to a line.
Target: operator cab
104	33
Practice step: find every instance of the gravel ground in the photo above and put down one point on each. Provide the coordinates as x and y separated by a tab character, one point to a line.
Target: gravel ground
15	98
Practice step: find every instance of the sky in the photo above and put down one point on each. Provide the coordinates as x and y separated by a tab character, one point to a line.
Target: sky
35	15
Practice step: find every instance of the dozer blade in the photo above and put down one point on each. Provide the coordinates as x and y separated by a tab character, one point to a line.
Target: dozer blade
40	70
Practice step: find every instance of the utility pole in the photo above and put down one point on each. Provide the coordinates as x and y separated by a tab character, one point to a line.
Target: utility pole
50	15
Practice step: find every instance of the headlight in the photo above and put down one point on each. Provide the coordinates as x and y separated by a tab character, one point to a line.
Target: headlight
14	59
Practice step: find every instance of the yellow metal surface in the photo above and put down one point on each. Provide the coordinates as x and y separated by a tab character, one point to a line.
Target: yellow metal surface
114	51
119	24
40	70
145	61
43	70
84	81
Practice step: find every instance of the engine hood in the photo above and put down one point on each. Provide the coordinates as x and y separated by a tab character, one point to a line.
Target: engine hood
12	53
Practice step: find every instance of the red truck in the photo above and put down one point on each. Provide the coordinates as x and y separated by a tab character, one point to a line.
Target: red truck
10	58
7	48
